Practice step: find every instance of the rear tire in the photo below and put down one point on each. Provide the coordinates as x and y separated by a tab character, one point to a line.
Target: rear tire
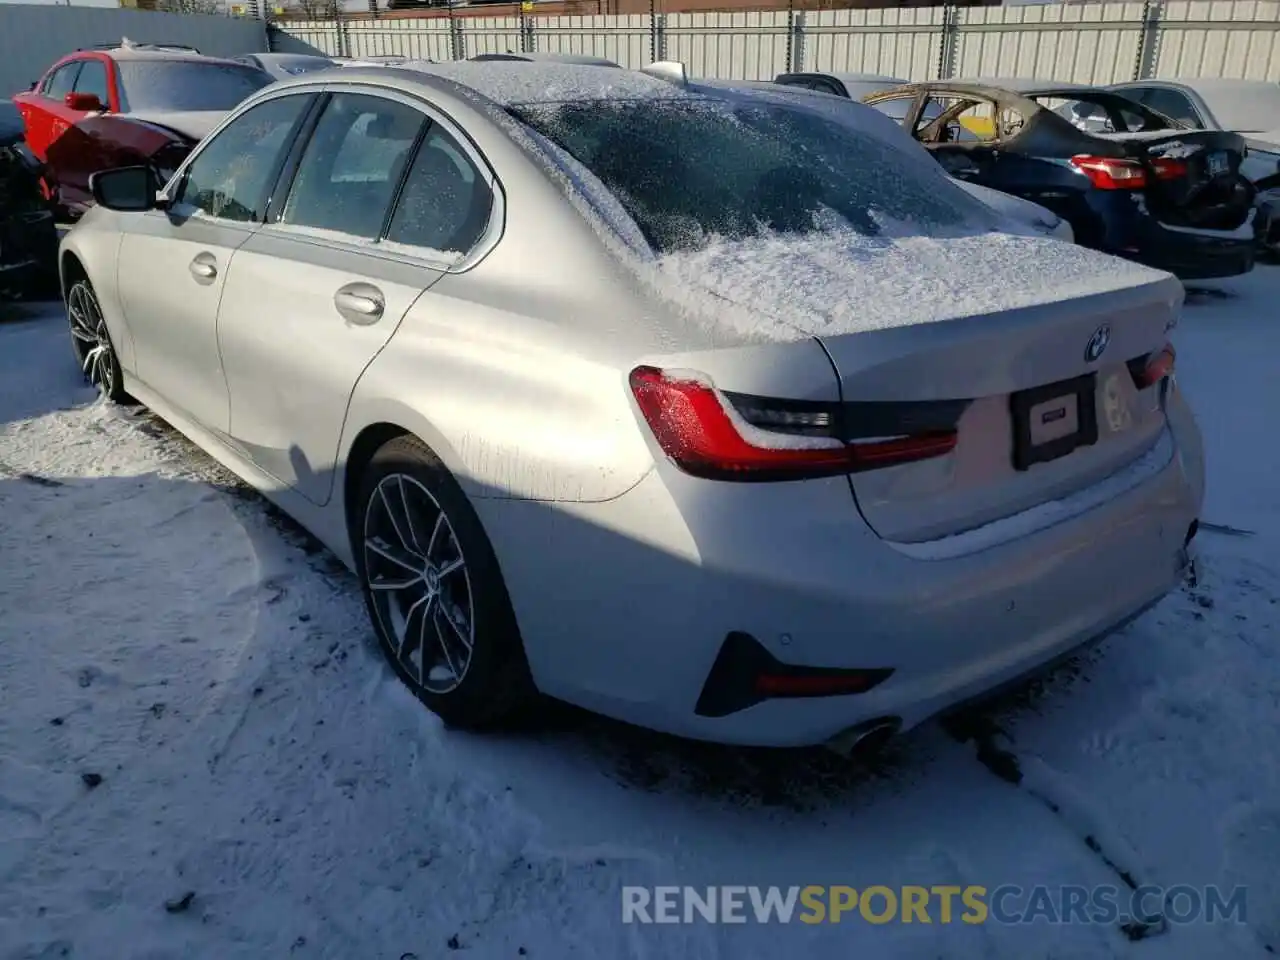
91	341
434	591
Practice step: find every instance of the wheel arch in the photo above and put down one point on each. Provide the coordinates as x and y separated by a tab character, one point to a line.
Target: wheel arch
379	424
70	269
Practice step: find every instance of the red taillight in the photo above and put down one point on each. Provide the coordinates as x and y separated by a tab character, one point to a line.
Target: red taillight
1166	169
1150	370
1110	173
699	430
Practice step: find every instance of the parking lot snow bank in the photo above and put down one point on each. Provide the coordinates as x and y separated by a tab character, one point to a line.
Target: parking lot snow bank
202	756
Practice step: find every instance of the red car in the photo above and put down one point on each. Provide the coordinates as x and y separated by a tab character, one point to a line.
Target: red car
132	104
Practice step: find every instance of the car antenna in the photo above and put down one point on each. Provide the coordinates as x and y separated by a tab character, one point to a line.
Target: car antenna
672	71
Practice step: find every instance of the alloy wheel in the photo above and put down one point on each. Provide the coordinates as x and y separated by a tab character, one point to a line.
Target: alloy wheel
92	341
418	581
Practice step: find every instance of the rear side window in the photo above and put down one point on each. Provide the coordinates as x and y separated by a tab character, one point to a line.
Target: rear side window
62	81
350	169
690	170
93	79
230	177
446	202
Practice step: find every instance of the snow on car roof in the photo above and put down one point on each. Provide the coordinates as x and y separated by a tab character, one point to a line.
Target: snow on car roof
152	54
511	82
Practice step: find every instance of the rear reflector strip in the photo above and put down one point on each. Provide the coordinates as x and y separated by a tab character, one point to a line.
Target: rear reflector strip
745	673
723	436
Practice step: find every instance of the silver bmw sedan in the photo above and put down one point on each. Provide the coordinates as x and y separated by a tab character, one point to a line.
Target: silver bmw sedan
693	406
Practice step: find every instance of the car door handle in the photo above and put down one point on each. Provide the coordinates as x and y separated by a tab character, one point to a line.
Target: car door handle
360	303
204	267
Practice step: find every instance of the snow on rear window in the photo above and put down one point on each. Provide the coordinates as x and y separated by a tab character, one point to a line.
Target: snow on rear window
187	85
692	171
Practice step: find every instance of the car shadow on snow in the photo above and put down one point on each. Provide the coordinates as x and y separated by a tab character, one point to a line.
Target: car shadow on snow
37	371
798	779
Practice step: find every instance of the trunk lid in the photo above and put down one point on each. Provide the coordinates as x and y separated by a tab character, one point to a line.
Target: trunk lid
1193	176
964	330
1026	369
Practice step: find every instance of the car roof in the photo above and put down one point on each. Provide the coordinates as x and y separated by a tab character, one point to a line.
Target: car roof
849	77
287	57
1210	85
535	56
1022	85
156	54
512	82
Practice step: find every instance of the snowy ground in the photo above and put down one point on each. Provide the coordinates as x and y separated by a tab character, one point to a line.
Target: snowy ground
162	629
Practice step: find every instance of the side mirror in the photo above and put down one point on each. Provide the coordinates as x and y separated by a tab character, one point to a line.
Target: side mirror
125	189
84	102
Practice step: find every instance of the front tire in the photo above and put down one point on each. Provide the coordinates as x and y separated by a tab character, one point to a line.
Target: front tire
434	591
91	341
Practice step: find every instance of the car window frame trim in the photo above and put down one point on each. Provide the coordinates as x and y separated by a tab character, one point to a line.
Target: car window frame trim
435	117
172	191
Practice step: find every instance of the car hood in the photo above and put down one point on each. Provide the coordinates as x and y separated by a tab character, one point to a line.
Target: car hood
775	288
196	124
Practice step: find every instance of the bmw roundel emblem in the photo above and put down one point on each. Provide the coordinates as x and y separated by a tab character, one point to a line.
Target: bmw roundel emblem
1097	343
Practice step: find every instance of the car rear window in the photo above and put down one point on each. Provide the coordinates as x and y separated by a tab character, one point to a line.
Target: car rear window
1102	112
181	85
690	170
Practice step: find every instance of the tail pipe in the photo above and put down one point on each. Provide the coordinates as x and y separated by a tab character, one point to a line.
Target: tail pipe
866	738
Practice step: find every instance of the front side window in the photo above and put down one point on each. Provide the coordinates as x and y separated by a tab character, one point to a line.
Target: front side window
62	81
690	170
350	169
93	79
230	177
445	203
186	85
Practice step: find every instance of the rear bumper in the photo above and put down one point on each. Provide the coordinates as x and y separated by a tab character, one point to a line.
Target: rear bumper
1120	225
1267	225
28	249
1191	256
658	578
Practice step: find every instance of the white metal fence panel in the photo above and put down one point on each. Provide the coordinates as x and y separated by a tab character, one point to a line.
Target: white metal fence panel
623	39
492	35
896	43
1219	39
1087	43
33	36
311	36
730	46
1077	43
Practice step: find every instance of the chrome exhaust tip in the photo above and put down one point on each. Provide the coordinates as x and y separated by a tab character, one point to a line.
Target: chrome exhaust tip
865	738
